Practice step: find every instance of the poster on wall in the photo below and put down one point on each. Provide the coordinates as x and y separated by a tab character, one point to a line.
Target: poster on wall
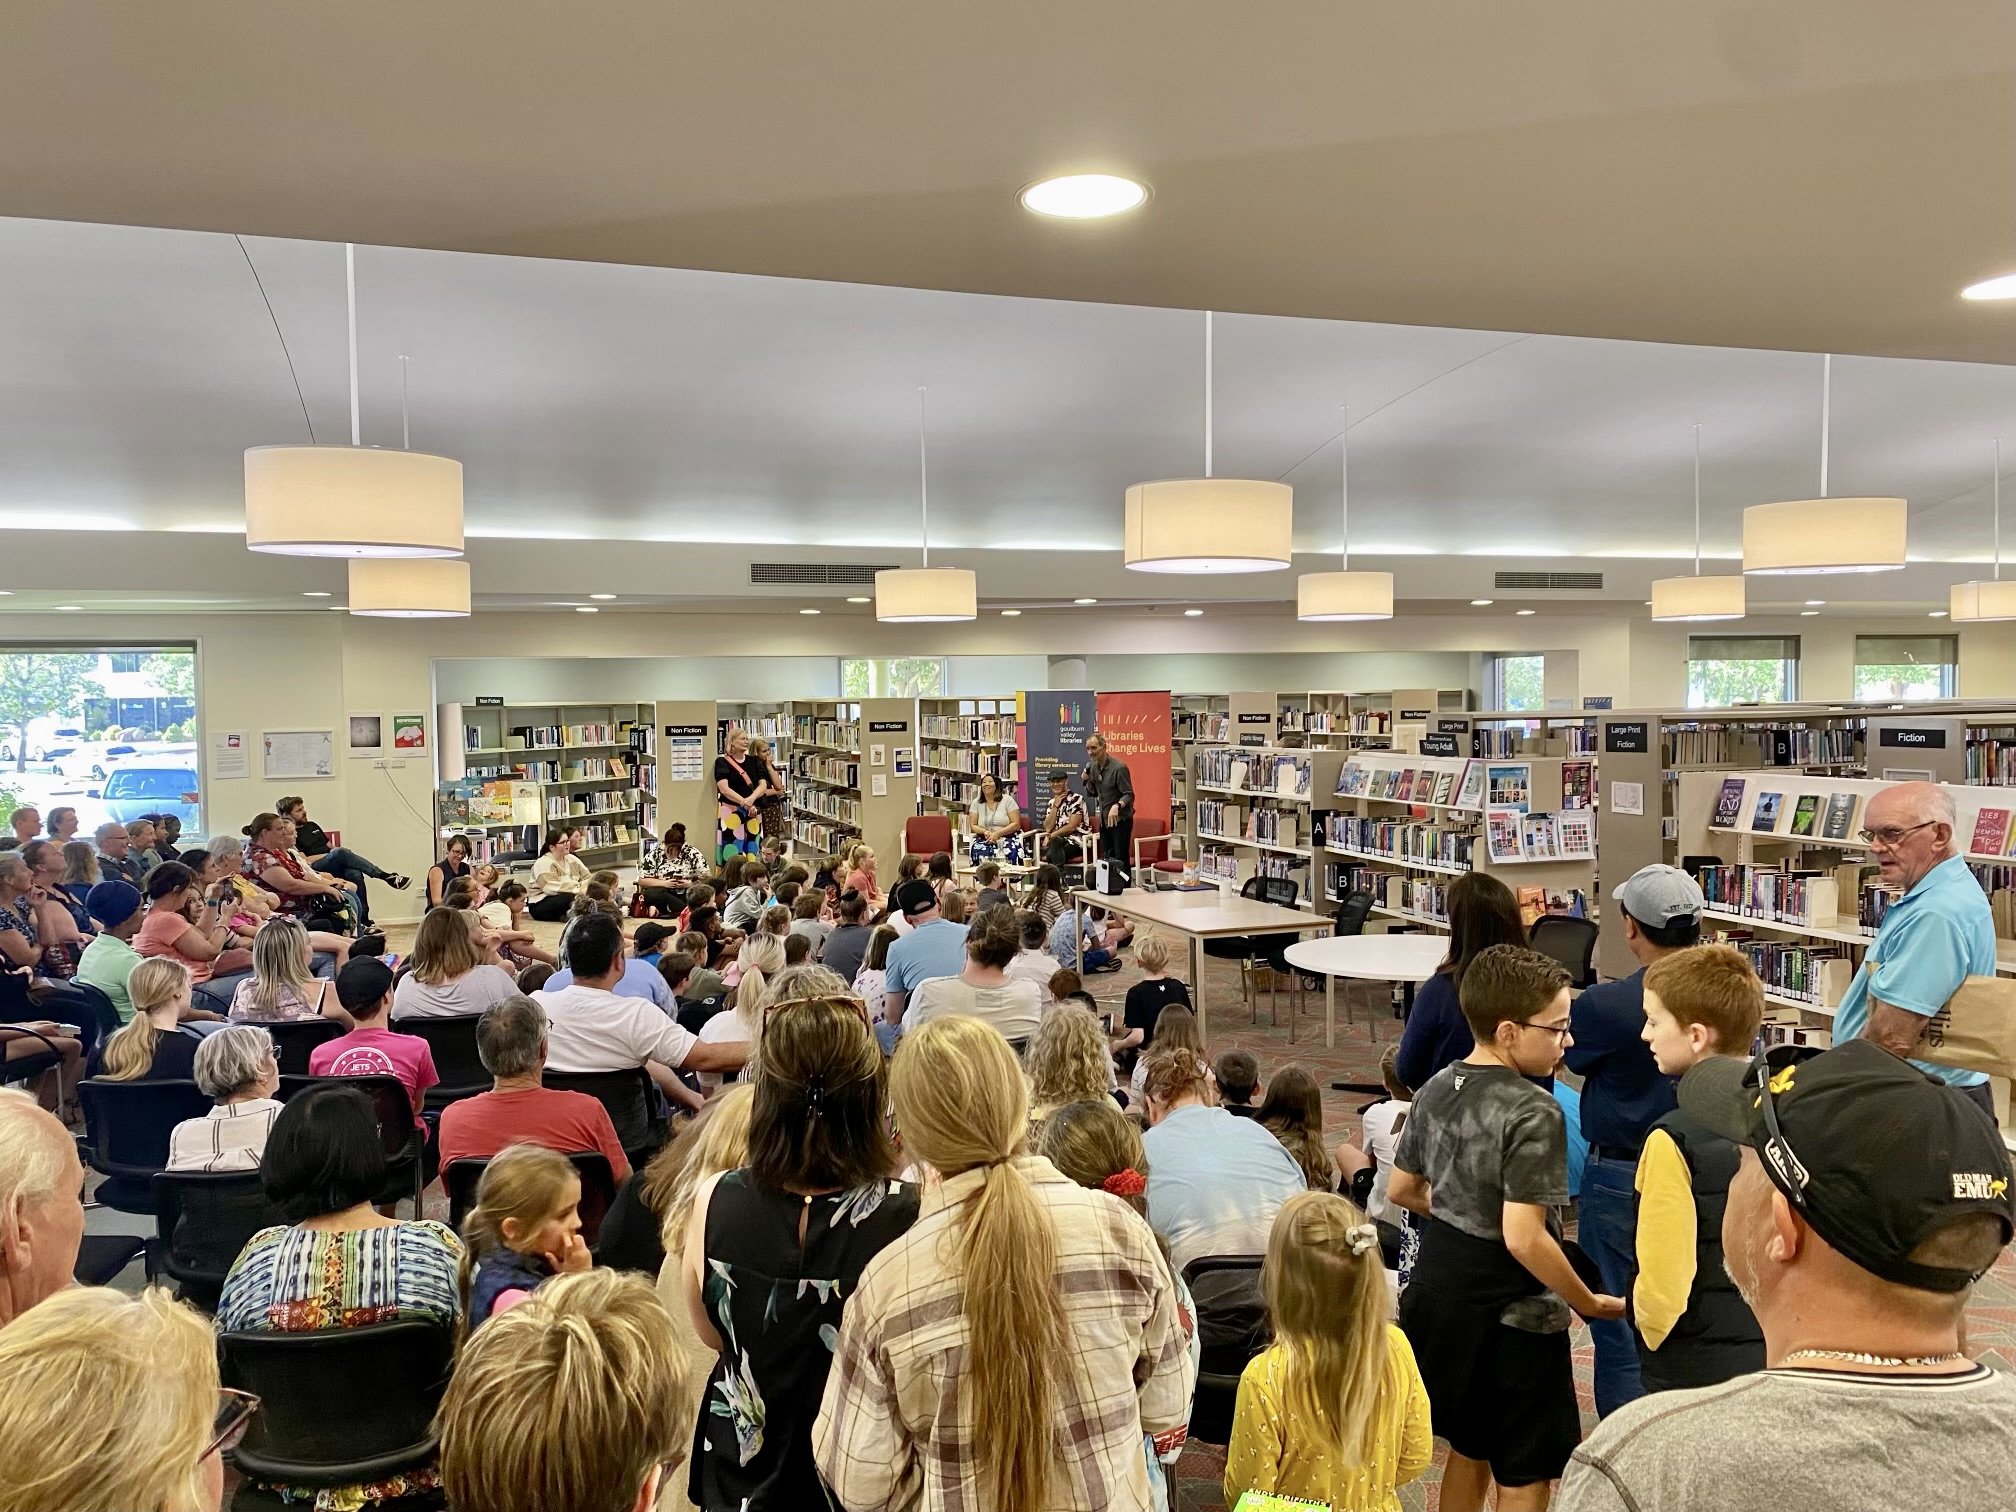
1057	721
298	753
1137	731
365	735
230	755
409	732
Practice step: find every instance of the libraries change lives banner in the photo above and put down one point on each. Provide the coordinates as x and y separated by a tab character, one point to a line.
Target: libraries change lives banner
1137	731
1055	722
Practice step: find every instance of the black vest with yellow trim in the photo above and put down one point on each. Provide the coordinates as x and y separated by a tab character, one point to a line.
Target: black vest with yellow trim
1717	1337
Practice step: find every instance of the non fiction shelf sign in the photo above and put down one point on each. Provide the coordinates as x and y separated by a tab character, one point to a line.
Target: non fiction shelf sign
1259	719
490	701
888	727
1914	740
1439	744
685	732
1628	736
1416	716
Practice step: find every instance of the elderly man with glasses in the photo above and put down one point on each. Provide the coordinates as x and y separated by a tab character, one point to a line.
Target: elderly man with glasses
1936	934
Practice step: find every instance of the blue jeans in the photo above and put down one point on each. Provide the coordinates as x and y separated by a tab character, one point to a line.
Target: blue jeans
1608	1234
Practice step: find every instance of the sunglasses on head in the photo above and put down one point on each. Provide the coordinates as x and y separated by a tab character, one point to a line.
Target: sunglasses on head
1777	1149
860	1008
234	1416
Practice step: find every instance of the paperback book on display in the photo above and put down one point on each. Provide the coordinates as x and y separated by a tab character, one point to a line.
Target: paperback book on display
1578	785
1764	819
1351	781
1805	814
1728	804
1445	788
1470	791
1991	832
1501	830
1840	820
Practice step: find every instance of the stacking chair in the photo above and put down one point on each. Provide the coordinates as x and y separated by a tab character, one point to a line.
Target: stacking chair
127	1126
202	1220
294	1040
1231	1330
598	1189
452	1042
632	1101
1570	941
405	1142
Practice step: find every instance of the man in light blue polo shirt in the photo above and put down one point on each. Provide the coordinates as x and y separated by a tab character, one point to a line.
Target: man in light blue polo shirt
1936	935
935	947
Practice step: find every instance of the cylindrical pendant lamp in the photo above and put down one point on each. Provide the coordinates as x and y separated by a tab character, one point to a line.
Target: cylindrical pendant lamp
1824	535
920	594
352	501
1210	525
1344	596
1698	598
410	587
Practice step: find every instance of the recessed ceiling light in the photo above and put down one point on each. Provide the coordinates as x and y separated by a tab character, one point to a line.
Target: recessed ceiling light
340	608
1010	613
1937	614
2002	287
1482	603
860	598
1083	196
1084	601
605	597
69	608
1809	614
314	593
6	593
1193	613
586	609
1525	611
808	611
1816	603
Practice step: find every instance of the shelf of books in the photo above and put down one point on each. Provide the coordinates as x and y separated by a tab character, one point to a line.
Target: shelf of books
1250	814
1403	826
1526	732
825	772
594	764
961	740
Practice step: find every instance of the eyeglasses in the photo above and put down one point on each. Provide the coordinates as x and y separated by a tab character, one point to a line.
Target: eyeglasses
234	1416
1557	1030
1892	835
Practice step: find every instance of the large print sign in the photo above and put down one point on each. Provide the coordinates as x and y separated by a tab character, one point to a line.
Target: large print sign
1136	727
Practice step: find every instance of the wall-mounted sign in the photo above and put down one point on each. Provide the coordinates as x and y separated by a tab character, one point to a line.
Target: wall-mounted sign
1632	736
888	727
1416	716
685	732
1453	726
1253	740
490	702
1259	719
1908	739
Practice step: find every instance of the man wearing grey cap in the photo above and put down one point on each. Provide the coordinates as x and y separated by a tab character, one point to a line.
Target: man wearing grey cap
1623	1095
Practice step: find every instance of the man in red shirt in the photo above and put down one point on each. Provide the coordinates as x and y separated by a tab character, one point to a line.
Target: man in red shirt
511	1041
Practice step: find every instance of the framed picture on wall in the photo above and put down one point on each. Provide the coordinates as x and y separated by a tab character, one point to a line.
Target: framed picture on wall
366	735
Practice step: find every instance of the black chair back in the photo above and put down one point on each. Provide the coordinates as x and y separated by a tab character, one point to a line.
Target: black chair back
397	1129
32	1065
1570	941
202	1220
388	1377
452	1043
128	1124
1283	892
295	1039
598	1189
1352	913
629	1096
1231	1330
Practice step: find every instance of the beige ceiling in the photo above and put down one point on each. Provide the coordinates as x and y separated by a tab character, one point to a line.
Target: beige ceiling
1797	174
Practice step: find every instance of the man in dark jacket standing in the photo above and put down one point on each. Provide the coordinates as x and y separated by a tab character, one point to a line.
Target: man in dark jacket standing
1109	793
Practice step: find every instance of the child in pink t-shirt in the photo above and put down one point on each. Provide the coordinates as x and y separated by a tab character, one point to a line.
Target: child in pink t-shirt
364	987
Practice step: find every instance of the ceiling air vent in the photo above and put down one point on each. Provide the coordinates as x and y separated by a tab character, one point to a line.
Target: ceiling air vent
816	574
1590	581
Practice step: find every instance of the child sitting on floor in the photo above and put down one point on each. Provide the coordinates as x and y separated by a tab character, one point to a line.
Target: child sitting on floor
1238	1075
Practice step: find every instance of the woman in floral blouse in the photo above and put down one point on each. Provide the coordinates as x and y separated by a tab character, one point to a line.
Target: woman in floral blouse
670	869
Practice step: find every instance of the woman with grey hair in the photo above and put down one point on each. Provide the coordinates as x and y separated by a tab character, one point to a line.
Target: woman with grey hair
236	1066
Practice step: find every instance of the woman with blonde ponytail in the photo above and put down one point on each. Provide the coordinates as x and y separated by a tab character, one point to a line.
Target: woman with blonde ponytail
1008	1351
153	1046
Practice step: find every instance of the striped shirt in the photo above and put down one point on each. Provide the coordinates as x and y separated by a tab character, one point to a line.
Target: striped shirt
230	1137
897	1427
291	1280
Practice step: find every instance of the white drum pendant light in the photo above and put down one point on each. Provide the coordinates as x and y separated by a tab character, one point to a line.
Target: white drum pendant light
352	501
1344	595
925	593
1210	524
1823	534
1987	598
1698	597
410	587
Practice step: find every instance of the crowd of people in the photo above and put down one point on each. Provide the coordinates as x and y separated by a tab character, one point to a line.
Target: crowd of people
917	1218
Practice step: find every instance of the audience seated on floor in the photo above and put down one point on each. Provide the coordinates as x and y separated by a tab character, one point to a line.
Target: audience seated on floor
1067	1060
41	1208
236	1066
511	1041
983	989
1293	1114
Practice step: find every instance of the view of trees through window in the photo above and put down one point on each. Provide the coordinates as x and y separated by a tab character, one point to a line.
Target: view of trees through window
893	677
1906	667
1733	669
111	734
1519	682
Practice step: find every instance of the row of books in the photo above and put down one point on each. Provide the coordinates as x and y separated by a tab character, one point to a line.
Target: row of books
827	769
1424	898
1217	864
1201	726
586	805
817	835
826	802
493	845
1991	760
770	727
973	729
1808	817
1237	821
1783	895
604	834
1282	775
553	737
962	791
976	761
1433	844
1442	787
1512	835
834	734
1812	973
1569	902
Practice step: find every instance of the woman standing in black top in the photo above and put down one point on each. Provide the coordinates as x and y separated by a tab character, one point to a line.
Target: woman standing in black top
774	1250
739	782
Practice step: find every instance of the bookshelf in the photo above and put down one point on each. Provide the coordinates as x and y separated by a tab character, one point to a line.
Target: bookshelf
1250	813
1404	826
824	772
961	740
594	765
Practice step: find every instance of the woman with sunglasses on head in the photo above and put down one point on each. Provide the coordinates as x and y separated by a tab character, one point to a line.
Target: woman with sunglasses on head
773	1251
112	1404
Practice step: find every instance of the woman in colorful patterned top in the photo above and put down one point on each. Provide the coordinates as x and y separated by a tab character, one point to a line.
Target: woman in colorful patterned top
669	870
339	1264
298	891
773	1250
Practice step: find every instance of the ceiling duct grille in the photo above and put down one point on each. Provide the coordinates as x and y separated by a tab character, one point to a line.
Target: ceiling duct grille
816	574
1588	581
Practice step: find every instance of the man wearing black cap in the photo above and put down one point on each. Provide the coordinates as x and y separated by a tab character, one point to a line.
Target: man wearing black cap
1870	1199
934	947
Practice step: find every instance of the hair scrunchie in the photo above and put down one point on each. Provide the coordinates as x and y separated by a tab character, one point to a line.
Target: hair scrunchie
1127	1183
1361	1237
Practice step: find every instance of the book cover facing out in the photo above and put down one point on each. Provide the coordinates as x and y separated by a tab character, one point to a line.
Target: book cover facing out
1840	816
1764	819
1805	813
1728	803
1991	832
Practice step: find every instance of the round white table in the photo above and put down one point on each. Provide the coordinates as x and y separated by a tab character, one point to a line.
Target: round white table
1406	958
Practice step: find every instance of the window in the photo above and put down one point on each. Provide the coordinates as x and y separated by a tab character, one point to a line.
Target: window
1515	681
111	734
1907	667
893	677
1733	669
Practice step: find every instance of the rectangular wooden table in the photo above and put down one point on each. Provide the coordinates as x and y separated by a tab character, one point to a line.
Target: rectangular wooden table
1199	916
